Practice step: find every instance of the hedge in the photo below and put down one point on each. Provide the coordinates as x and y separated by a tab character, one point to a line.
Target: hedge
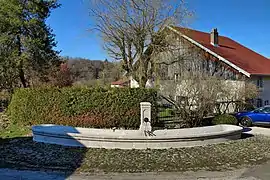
225	119
81	107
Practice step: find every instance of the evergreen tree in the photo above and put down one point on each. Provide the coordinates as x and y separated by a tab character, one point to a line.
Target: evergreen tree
26	42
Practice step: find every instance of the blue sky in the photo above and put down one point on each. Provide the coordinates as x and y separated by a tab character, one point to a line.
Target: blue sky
246	21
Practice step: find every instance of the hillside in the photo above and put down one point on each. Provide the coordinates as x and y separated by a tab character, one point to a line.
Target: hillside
85	70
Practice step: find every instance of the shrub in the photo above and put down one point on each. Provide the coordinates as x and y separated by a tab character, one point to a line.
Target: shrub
4	99
225	119
81	107
61	77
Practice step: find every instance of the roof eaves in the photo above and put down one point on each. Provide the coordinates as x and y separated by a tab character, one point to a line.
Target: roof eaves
211	52
259	74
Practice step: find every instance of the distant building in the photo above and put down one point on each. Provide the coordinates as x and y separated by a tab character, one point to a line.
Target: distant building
125	82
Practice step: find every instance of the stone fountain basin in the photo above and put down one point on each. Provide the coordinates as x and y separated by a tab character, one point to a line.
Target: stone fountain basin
134	139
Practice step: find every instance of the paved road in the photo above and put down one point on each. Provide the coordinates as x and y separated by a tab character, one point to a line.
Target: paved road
258	131
256	173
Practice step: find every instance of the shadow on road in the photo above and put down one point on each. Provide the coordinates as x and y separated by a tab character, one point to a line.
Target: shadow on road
246	129
245	133
23	153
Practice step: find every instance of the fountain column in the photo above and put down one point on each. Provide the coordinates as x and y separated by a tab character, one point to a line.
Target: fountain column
145	117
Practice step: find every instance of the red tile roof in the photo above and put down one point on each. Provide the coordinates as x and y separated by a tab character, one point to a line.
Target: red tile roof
120	82
239	55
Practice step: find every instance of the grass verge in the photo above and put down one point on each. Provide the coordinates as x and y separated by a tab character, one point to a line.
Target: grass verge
11	130
23	153
15	130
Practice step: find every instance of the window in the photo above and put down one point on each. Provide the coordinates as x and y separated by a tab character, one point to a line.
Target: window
266	102
259	110
266	110
176	77
260	82
259	102
262	110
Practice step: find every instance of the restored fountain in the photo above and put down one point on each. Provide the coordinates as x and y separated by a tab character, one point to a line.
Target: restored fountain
135	139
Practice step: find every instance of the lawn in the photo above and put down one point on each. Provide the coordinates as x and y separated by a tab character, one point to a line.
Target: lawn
26	154
167	112
11	130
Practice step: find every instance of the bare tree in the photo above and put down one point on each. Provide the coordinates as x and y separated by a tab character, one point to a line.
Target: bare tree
235	96
132	30
193	97
201	95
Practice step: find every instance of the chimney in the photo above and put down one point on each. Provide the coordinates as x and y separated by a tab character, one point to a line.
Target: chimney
214	37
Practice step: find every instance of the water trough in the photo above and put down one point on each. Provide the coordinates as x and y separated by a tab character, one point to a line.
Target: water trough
134	139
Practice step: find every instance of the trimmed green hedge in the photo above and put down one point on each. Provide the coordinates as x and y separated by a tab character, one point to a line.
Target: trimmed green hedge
81	107
225	119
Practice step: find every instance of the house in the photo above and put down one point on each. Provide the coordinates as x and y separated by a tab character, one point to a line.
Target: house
218	55
120	84
125	82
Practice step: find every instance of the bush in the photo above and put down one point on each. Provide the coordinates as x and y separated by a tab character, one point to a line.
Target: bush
61	77
4	99
224	119
81	107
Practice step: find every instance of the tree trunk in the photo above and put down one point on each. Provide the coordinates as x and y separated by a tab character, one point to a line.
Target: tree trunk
143	81
22	78
144	69
20	68
143	74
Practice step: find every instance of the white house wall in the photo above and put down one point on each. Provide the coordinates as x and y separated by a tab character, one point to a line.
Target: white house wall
264	91
133	83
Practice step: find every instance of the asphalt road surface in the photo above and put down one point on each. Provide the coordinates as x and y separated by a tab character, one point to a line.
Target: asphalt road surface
261	172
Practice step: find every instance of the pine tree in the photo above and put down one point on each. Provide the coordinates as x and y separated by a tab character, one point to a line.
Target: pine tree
26	42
